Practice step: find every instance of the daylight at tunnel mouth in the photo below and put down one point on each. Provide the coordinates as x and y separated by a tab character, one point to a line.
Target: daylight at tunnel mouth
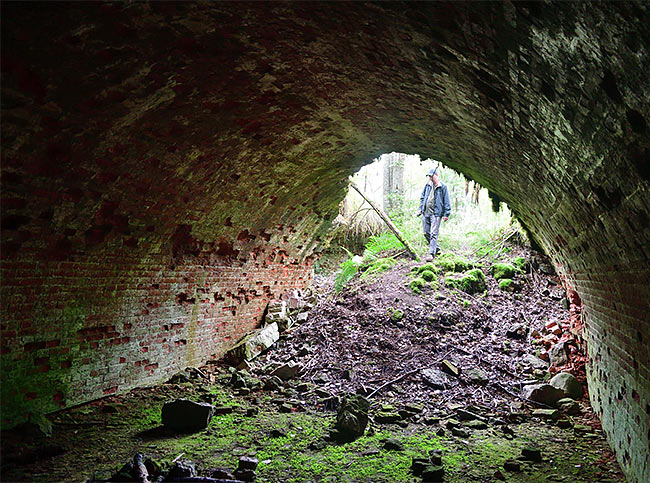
213	265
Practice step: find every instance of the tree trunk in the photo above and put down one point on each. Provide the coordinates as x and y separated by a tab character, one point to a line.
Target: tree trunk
393	181
390	224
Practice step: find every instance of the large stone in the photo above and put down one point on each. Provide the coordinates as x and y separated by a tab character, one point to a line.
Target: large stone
432	474
352	417
543	393
477	376
286	371
568	406
559	354
185	415
277	313
435	378
534	362
568	384
551	414
254	344
517	331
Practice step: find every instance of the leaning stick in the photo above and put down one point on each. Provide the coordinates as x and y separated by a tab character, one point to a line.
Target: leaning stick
390	224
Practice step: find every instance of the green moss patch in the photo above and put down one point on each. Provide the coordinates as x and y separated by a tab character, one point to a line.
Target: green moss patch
376	267
395	315
472	281
417	284
507	285
503	270
428	275
521	263
448	262
426	267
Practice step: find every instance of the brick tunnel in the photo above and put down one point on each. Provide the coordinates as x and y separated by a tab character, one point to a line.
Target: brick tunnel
169	168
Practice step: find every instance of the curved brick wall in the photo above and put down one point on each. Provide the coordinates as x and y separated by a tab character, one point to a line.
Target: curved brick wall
168	168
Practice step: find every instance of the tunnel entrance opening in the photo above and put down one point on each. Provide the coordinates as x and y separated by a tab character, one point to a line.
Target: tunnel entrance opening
395	182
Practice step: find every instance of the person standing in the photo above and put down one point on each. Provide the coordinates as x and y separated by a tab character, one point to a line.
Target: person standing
434	208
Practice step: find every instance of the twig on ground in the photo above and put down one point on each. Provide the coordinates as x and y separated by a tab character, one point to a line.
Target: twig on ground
399	378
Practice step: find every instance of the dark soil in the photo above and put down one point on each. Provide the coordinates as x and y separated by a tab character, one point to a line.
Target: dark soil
350	344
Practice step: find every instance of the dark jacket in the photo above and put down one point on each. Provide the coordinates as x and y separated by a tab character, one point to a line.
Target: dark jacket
442	205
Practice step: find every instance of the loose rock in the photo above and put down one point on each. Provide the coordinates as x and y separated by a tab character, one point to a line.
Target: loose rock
435	378
568	406
512	465
393	445
532	454
568	384
477	376
543	393
286	371
450	368
433	474
352	417
185	415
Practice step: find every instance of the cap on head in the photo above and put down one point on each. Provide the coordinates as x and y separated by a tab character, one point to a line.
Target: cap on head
433	172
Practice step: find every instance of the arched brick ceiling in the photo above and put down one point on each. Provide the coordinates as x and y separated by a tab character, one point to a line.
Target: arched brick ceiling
181	141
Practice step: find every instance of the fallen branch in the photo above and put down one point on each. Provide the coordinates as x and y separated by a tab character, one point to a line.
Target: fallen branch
392	381
388	221
406	374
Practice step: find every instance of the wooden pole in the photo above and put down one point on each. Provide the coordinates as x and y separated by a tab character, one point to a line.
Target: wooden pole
390	224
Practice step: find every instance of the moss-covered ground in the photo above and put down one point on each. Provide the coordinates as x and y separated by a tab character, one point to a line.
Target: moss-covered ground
95	443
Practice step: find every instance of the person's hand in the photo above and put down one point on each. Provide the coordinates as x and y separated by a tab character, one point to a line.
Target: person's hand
419	213
445	218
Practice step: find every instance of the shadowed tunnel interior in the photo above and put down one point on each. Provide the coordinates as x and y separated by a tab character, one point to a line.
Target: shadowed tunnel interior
168	168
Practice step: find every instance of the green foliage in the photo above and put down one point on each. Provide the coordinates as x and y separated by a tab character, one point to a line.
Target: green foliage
349	269
470	282
521	263
503	270
467	303
426	267
445	264
378	266
428	275
381	243
417	284
370	263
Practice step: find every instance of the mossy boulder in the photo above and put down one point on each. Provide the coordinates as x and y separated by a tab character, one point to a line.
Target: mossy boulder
508	285
428	275
445	263
352	417
472	281
417	284
448	262
503	270
426	267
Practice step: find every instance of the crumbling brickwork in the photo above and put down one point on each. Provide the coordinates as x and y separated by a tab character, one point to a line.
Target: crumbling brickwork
169	167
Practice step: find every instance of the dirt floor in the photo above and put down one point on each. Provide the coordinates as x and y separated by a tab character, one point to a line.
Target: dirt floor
380	339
